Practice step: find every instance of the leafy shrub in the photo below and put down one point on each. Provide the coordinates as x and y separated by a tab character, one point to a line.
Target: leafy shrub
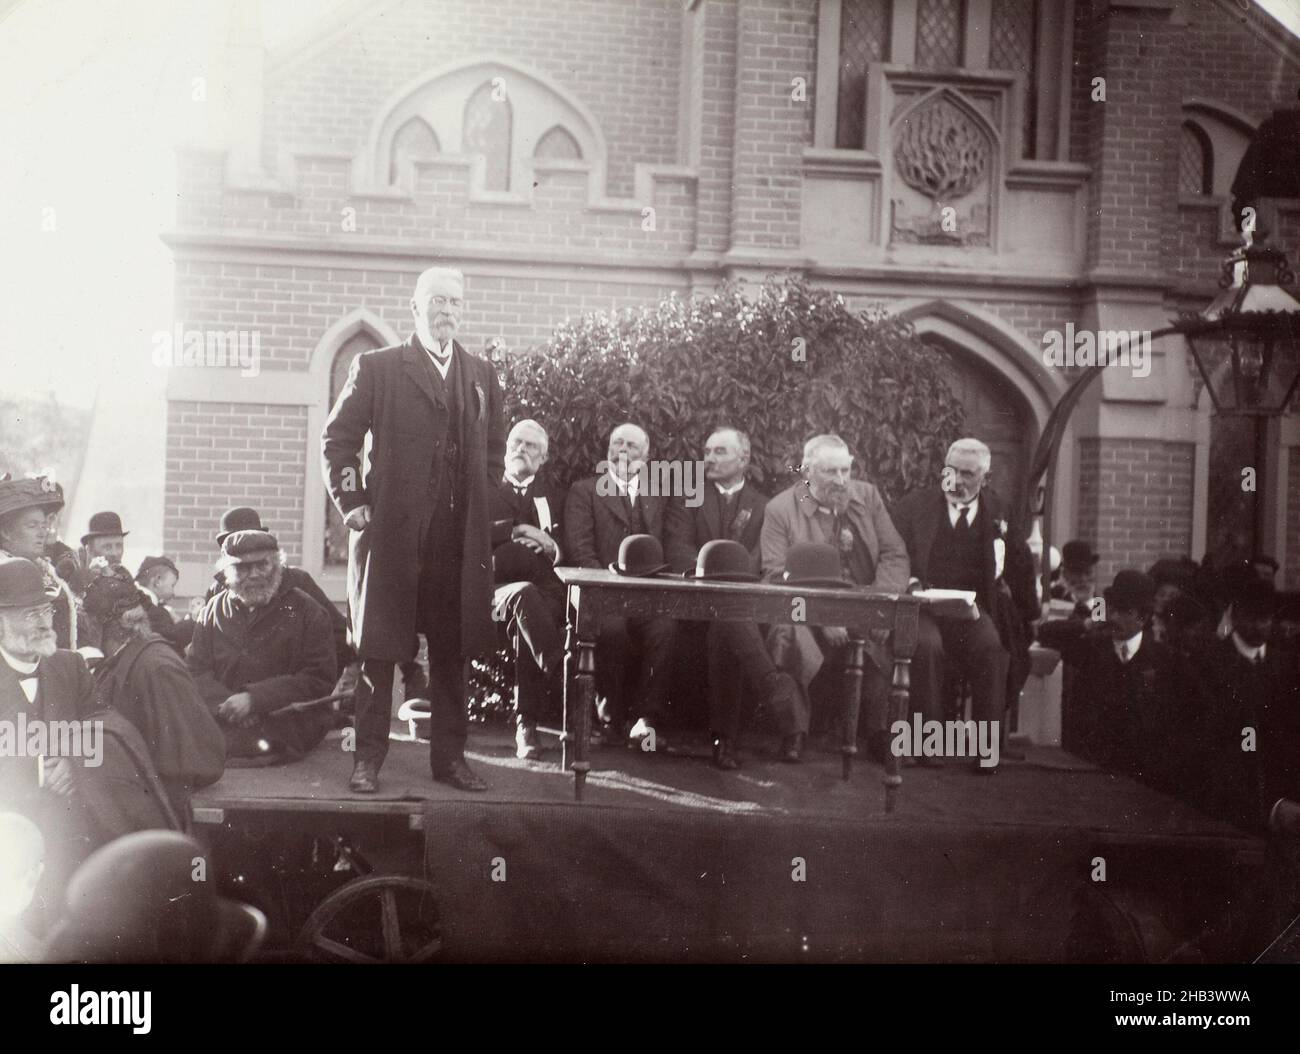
684	366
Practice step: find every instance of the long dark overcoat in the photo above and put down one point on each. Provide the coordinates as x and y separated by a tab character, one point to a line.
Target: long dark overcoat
389	395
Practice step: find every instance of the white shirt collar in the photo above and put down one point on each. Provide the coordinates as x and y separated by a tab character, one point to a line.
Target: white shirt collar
150	594
954	511
1132	644
628	486
439	366
522	484
728	491
25	669
1245	650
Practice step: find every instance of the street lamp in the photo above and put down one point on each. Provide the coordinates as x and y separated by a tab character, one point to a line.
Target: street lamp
1246	343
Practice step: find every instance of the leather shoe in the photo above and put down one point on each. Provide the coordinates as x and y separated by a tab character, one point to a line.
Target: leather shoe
365	778
792	748
459	775
724	757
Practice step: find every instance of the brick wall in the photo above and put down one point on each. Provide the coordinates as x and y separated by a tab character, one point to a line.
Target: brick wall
1135	501
224	454
620	57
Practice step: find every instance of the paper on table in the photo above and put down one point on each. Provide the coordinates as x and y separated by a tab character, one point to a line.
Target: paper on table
950	603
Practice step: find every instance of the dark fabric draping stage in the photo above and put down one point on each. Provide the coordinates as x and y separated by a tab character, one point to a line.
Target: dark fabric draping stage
669	859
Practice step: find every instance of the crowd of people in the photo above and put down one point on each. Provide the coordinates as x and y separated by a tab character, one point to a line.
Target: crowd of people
1177	676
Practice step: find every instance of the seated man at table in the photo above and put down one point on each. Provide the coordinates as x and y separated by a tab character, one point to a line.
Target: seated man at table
599	513
528	599
260	646
830	508
731	509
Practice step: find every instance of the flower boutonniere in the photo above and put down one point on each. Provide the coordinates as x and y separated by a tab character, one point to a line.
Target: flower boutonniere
846	540
742	518
1002	528
482	400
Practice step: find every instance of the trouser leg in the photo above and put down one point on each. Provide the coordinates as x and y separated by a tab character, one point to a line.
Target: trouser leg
653	641
374	710
976	649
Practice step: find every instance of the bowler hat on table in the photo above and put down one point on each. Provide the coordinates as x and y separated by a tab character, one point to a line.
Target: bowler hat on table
241	546
40	492
240	518
1131	591
22	585
724	560
639	555
104	525
813	564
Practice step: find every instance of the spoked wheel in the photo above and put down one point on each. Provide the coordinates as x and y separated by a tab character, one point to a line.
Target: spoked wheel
376	919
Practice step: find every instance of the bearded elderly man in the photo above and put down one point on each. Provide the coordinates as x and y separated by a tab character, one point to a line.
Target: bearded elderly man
830	508
39	682
259	646
420	551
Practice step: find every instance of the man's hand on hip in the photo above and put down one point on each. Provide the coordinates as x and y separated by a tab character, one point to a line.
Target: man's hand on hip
358	519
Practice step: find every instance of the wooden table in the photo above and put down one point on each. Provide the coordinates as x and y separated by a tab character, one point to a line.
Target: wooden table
595	595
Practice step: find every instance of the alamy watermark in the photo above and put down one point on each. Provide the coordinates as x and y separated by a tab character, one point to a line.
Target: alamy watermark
947	739
21	738
223	348
1102	347
668	479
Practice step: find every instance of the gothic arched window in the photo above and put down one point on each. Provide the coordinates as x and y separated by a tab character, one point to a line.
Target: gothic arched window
488	122
558	144
336	533
415	139
1195	161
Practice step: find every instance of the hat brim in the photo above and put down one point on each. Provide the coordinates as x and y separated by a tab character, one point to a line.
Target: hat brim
638	574
29	600
727	576
248	558
103	534
828	583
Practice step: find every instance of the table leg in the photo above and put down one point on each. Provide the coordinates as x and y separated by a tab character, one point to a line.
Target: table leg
852	703
570	694
585	676
899	708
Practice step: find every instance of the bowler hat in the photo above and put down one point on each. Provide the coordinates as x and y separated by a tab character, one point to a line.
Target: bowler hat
150	562
104	525
137	900
108	596
723	560
515	562
40	492
813	564
1174	571
1131	591
240	518
22	585
1078	556
1257	598
240	546
639	555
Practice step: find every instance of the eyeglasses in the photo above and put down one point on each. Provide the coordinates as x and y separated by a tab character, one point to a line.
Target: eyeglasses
35	616
443	301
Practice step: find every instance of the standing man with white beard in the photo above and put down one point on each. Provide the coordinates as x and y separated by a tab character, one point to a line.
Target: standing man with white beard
420	552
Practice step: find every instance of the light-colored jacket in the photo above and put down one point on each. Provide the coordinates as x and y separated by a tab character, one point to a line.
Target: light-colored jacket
789	521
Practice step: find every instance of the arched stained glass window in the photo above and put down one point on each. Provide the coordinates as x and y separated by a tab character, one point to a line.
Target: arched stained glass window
488	123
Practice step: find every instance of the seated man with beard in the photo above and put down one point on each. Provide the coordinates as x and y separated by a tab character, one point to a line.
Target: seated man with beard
260	646
144	680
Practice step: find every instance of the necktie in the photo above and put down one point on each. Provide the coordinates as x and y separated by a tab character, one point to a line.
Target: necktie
963	521
442	357
1123	652
29	684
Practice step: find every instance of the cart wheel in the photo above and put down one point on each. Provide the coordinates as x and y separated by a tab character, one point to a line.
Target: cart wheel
379	918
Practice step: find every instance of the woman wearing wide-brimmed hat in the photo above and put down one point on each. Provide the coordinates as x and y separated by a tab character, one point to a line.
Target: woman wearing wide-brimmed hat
25	505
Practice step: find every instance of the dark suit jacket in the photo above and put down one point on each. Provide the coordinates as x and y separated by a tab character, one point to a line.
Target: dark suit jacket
389	395
596	524
703	524
508	505
299	579
65	692
1236	785
1136	718
918	518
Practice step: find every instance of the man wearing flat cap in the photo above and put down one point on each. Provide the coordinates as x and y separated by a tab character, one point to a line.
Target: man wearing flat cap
419	555
27	506
260	646
39	682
